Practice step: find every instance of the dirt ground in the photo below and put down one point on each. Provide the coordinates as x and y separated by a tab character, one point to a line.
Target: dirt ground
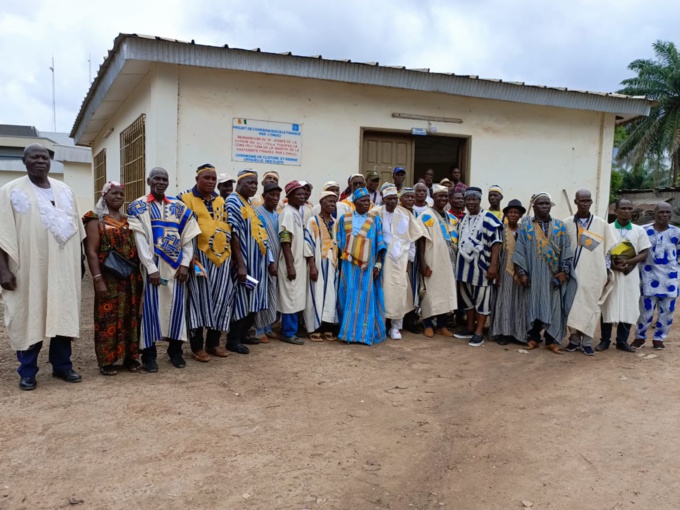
413	424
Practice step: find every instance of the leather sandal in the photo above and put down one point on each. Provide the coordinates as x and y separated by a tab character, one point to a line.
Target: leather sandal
532	345
329	336
316	337
554	348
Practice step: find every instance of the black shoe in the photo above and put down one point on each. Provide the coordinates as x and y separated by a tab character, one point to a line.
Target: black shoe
572	347
150	366
68	376
624	346
501	340
27	383
249	340
604	345
178	361
238	348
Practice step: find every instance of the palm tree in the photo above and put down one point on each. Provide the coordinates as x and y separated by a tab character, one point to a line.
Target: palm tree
657	135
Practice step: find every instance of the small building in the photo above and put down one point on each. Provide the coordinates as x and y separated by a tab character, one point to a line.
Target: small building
70	164
174	104
644	201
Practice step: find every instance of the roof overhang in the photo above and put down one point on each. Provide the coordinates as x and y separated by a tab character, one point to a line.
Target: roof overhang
129	59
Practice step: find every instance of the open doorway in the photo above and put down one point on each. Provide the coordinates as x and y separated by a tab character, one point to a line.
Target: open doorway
440	153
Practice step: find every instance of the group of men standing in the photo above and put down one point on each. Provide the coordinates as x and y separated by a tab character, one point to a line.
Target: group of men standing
356	266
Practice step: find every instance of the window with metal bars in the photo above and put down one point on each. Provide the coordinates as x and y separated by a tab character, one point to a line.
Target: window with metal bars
99	173
133	159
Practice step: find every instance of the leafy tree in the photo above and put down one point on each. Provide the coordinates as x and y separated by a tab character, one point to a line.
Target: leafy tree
657	135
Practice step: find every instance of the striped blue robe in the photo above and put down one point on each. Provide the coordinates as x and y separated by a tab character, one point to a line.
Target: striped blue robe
361	305
267	317
209	298
247	301
170	228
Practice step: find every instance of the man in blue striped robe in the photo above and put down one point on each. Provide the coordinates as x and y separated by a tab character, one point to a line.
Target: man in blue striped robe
164	231
253	259
361	305
209	285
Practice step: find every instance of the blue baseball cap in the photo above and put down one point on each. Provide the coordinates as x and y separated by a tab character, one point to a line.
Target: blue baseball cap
398	169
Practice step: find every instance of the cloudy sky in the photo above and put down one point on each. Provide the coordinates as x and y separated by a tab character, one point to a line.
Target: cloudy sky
582	44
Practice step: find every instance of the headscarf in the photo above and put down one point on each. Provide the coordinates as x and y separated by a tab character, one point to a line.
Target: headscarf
496	188
101	208
390	191
246	172
359	193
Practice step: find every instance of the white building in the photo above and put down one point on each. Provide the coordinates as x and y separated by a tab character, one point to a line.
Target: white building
70	164
159	102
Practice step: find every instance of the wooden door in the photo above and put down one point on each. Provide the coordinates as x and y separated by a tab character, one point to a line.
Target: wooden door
383	152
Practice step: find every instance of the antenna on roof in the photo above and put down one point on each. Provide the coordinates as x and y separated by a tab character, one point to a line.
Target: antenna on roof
54	100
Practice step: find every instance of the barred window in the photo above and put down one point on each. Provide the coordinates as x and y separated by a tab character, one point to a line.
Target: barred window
133	159
99	173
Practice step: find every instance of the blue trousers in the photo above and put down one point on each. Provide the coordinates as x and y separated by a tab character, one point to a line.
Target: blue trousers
60	357
289	324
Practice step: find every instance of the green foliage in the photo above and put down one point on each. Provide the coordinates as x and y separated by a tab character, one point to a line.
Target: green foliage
615	185
658	135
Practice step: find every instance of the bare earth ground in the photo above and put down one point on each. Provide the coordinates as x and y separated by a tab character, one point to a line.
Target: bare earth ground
413	424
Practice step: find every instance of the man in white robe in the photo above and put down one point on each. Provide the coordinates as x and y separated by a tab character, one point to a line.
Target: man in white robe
591	239
401	230
164	229
321	251
40	267
621	305
436	254
292	265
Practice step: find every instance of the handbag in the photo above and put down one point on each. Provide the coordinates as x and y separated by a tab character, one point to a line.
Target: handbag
117	265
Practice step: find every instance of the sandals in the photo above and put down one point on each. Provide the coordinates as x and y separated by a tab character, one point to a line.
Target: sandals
315	337
329	336
132	365
108	370
532	345
554	348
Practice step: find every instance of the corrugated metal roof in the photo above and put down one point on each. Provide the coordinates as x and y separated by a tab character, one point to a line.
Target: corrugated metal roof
72	154
17	130
157	49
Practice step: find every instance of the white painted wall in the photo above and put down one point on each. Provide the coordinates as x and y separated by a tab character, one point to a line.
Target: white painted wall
523	148
79	177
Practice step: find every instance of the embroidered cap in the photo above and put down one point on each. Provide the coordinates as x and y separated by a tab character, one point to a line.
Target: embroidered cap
390	191
359	193
330	184
406	191
496	188
246	172
204	168
438	188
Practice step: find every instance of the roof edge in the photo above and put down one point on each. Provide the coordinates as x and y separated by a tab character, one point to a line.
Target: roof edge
169	51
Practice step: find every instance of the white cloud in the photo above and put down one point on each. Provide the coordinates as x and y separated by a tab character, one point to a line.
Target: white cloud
583	44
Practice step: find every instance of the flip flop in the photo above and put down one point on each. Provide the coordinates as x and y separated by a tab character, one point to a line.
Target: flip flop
315	337
329	336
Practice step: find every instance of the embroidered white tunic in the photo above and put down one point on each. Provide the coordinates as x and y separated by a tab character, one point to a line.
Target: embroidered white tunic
42	242
401	230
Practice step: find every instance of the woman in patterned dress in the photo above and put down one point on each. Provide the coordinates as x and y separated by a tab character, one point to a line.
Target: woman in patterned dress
117	302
